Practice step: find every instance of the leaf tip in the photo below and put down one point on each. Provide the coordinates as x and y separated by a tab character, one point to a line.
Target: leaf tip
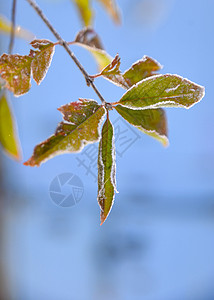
26	163
18	156
165	142
102	219
30	163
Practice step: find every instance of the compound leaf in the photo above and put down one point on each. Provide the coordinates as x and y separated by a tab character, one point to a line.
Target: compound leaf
88	39
162	91
106	170
112	9
85	11
8	134
41	58
16	71
153	122
81	127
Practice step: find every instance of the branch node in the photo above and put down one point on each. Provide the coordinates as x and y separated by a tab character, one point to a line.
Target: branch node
89	80
108	106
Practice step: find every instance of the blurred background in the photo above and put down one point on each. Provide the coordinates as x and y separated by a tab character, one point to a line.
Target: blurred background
158	242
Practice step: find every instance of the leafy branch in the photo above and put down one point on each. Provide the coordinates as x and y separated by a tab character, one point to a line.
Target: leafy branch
147	93
65	45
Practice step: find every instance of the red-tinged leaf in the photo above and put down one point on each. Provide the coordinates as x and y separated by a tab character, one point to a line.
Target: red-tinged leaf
85	11
162	91
106	170
83	119
153	122
41	58
140	70
112	9
16	71
88	39
77	112
8	133
113	69
112	73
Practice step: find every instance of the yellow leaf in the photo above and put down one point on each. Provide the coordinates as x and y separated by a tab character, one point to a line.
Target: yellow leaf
85	11
8	133
5	28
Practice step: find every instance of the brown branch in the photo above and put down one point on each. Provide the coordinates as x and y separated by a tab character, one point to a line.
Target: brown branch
65	45
13	27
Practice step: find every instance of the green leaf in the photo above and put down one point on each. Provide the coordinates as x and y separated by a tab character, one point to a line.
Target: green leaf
8	133
88	39
112	9
162	91
5	28
16	71
140	70
81	127
85	11
153	122
41	58
106	170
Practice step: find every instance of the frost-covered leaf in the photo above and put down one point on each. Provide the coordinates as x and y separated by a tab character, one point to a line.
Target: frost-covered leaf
42	58
106	170
150	121
140	70
112	9
8	133
113	68
81	127
5	28
85	11
162	91
88	39
16	71
112	73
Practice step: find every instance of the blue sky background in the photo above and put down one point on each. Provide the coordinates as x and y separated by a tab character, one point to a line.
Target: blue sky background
158	241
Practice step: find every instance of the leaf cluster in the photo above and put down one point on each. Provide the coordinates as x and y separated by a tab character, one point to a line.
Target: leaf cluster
146	94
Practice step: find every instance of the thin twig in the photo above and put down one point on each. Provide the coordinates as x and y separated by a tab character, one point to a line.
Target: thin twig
13	27
64	44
